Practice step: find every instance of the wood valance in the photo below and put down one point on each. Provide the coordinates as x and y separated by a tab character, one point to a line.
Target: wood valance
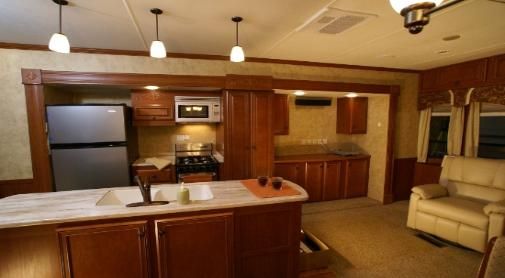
491	94
426	100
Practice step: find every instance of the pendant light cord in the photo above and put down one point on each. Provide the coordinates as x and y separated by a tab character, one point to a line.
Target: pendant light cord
60	19
236	34
157	38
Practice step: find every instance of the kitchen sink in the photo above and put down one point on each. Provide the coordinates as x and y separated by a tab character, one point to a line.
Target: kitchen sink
197	192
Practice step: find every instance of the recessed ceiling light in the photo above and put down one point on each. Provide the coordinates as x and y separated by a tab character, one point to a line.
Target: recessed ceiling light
443	51
351	95
451	38
299	93
151	87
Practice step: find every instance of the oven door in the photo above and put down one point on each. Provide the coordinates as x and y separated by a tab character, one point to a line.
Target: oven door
196	177
193	112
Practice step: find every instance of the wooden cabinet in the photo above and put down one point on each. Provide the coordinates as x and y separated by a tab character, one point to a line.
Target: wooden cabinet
194	247
314	180
356	177
281	114
294	172
105	250
496	69
165	175
153	108
332	180
352	114
462	75
248	138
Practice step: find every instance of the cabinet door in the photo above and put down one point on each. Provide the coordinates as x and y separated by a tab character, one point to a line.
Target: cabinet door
496	72
332	177
153	108
238	134
356	178
165	175
343	116
359	115
262	153
472	73
108	250
314	180
429	80
281	114
294	172
194	247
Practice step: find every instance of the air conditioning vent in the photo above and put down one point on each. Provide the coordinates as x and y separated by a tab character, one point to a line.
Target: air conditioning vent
313	101
335	21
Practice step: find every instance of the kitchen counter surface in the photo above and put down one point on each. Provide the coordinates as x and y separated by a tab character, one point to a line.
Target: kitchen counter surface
317	157
80	205
142	160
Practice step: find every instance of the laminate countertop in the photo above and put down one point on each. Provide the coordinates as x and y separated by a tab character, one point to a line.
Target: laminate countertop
317	158
80	205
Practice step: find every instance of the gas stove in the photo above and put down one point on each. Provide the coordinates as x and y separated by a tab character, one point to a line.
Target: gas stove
195	159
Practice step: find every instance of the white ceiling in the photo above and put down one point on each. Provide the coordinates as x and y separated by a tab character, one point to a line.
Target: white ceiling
271	29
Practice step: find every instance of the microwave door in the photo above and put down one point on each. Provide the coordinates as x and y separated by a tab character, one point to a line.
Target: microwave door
193	112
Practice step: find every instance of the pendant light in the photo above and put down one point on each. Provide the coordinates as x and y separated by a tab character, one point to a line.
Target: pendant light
157	47
59	42
237	53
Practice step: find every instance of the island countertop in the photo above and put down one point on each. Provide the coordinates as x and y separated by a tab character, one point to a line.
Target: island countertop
80	205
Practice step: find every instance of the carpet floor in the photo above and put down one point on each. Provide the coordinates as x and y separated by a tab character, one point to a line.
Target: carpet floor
368	239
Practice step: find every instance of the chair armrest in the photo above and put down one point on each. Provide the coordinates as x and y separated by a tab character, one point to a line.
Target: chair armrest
430	191
496	207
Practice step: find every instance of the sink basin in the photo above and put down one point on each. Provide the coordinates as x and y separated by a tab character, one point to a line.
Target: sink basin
197	192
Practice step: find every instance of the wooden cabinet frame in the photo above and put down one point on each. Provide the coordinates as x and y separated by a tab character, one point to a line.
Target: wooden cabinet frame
34	81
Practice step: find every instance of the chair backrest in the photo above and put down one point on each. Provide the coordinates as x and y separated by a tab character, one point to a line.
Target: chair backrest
477	178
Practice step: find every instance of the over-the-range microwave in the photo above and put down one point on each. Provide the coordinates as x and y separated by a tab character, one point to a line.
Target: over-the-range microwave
197	109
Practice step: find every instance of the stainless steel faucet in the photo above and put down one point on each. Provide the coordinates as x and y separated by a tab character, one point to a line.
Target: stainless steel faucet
145	189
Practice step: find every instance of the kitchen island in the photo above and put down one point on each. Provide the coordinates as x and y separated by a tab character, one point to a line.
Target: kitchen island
66	234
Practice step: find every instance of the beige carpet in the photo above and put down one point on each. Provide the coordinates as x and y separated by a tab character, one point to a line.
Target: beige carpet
371	240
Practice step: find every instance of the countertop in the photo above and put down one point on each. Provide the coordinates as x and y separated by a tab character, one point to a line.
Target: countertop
170	157
79	205
317	157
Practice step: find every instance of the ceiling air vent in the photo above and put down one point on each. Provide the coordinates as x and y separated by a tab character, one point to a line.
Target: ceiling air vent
334	21
313	101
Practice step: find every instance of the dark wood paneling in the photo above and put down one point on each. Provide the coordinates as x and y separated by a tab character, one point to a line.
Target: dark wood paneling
36	114
203	57
314	180
403	178
238	148
332	180
195	247
388	177
107	250
356	183
426	173
262	139
291	84
281	114
29	252
496	70
429	80
462	75
13	187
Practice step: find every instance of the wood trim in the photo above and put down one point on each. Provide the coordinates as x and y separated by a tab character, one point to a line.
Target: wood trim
35	107
13	187
248	82
388	180
292	84
39	47
403	177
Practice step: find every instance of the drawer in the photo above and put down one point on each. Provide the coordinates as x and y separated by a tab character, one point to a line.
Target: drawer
157	176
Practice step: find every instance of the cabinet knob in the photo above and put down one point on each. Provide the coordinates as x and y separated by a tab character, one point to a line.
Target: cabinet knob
161	232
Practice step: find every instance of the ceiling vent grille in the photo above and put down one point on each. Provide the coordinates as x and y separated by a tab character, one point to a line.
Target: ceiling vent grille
334	21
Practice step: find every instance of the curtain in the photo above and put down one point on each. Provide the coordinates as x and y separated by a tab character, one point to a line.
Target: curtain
455	135
472	130
423	134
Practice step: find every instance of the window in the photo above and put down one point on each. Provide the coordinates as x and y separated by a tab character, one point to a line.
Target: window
492	131
439	128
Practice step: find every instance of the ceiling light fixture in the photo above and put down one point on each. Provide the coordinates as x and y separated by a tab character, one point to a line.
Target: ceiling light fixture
417	12
158	49
299	93
351	95
59	42
237	53
151	87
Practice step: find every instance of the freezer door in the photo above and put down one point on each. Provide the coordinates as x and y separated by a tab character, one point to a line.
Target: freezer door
86	124
88	168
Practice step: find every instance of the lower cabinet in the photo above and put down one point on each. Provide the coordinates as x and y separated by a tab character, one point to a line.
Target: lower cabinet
205	241
165	175
105	250
328	180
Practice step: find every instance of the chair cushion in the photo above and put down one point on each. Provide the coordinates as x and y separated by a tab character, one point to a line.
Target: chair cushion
430	191
461	210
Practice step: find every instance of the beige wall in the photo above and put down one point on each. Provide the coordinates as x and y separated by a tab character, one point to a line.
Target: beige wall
309	122
14	143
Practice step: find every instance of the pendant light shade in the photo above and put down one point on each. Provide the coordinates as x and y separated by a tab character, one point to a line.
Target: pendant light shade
59	42
157	49
237	53
399	5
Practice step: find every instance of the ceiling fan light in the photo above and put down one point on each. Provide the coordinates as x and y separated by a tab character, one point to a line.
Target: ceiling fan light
399	5
59	43
158	50
237	54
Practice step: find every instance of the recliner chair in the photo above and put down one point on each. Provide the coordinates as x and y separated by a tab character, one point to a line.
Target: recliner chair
466	207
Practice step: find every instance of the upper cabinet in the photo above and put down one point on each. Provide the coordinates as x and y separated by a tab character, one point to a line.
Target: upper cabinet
477	73
152	108
281	114
352	114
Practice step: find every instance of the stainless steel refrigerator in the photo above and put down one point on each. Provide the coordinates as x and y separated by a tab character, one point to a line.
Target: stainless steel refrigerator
92	146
